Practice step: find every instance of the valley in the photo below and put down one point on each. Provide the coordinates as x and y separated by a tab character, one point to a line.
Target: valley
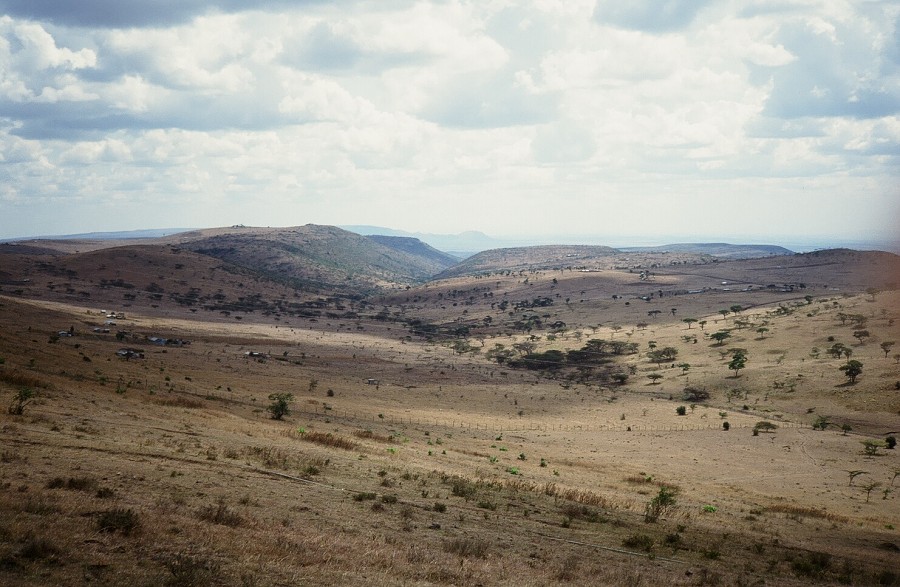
530	416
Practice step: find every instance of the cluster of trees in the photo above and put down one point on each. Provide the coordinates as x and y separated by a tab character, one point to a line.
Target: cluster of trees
596	352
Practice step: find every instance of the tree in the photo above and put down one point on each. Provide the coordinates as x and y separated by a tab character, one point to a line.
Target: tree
702	324
738	362
870	447
724	313
684	367
736	309
860	335
763	426
762	330
720	336
872	292
665	499
279	407
836	350
854	474
869	487
886	346
689	321
654	378
663	355
852	369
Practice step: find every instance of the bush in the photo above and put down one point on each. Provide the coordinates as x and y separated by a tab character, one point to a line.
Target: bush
38	548
639	541
22	398
657	506
191	571
220	514
72	483
467	547
890	442
279	407
118	520
726	426
440	507
681	410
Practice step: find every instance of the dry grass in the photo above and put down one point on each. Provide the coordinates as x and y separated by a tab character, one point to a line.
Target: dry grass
215	521
805	512
369	435
330	440
21	379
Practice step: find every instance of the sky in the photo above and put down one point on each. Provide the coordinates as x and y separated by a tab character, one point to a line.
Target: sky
737	120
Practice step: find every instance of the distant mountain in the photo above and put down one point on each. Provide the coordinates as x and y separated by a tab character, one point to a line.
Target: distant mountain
720	250
528	258
460	245
116	235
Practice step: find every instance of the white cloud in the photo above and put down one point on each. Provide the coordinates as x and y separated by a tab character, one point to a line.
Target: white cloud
416	114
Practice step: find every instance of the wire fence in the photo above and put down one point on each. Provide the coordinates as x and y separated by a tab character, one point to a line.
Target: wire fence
363	418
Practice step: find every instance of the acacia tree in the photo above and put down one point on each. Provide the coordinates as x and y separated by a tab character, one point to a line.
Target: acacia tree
738	362
886	346
852	369
720	336
860	335
689	321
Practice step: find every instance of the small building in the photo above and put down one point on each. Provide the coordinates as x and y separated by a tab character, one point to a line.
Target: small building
372	381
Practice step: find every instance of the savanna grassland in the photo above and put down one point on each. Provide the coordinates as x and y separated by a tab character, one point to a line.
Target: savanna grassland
548	422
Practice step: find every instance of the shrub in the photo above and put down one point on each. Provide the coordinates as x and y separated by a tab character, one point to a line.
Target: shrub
279	407
467	547
890	442
38	548
440	507
72	483
639	541
118	520
364	496
22	398
726	426
681	410
220	514
812	565
191	571
663	500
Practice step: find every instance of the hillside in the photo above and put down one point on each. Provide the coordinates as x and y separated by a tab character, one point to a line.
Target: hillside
510	453
439	260
530	258
719	250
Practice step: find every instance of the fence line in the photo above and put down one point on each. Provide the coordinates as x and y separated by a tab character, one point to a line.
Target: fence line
529	426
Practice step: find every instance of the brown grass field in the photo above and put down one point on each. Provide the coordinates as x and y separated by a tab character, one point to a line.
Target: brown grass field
453	469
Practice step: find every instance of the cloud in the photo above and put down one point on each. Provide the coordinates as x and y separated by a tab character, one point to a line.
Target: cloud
841	68
135	13
412	114
652	16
